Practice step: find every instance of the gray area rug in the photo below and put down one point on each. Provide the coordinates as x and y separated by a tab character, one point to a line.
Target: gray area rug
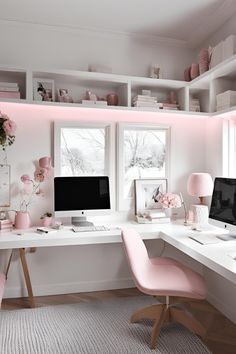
99	327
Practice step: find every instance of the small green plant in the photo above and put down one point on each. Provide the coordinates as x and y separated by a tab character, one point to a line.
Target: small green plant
48	215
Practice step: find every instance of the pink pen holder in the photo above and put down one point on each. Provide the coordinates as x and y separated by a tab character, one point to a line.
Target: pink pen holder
22	220
46	221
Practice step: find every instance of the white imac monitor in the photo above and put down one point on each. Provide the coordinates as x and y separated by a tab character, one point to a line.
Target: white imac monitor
79	197
223	205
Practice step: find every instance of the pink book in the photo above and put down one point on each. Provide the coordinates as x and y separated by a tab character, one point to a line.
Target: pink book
7	226
4	94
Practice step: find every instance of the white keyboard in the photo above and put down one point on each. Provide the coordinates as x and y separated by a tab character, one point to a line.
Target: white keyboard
89	228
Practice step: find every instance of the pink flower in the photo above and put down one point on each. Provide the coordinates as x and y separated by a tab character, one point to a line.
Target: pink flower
25	179
170	200
9	127
4	116
40	174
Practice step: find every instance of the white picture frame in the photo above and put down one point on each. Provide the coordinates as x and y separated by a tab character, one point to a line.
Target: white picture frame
147	193
43	90
125	185
5	190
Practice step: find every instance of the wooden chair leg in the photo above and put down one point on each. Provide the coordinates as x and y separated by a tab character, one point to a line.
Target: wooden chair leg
152	312
187	320
157	326
27	277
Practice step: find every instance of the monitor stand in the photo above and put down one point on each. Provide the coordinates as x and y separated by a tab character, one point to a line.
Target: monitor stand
80	221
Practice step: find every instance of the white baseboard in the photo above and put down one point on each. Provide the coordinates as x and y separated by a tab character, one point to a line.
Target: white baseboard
225	308
67	288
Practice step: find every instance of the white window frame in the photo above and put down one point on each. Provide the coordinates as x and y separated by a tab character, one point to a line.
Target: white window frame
125	204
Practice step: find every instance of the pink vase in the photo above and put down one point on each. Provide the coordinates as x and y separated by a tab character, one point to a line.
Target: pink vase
194	72
187	76
46	221
112	99
22	220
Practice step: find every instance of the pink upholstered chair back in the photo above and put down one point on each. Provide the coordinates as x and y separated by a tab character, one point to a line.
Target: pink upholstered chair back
136	253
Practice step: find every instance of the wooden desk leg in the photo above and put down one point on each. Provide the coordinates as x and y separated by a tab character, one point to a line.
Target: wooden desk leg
27	276
8	264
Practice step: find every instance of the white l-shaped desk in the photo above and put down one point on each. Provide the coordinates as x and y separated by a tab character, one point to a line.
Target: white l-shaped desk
217	257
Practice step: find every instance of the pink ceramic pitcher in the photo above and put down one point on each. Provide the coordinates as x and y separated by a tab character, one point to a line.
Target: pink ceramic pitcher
22	220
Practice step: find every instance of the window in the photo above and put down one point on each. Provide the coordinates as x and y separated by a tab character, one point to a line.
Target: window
229	148
143	152
82	149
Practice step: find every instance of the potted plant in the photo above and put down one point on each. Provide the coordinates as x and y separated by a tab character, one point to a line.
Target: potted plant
46	219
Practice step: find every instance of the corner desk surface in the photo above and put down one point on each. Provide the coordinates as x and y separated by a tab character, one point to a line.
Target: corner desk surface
214	256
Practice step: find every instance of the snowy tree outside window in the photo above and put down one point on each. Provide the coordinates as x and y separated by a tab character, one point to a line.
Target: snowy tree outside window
82	151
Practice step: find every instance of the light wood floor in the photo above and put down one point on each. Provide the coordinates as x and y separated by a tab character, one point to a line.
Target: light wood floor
221	333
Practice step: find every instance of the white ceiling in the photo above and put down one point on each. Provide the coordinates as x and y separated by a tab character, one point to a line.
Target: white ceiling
190	21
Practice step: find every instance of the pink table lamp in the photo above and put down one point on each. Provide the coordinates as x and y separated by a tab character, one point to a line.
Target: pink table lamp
200	185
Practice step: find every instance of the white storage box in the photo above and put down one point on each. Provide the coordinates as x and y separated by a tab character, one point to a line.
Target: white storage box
229	46
216	54
226	99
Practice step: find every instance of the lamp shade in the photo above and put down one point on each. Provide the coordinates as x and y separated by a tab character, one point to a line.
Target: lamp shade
200	184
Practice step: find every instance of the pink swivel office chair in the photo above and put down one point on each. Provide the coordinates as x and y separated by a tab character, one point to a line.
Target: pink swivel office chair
162	276
2	285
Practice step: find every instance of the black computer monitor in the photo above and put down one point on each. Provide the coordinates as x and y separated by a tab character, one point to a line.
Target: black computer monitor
79	197
223	204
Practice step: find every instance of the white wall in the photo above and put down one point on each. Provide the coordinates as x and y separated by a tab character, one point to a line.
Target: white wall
68	269
44	46
224	31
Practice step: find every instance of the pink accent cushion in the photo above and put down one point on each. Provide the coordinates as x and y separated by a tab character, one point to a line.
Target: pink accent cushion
2	285
160	276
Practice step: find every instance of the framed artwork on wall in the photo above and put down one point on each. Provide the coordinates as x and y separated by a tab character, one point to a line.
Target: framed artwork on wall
143	153
147	194
43	90
5	186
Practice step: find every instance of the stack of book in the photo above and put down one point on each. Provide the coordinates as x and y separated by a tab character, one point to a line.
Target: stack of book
6	225
9	90
152	217
169	106
145	101
194	105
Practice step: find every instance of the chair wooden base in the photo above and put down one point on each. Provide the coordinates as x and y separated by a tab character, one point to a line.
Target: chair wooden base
161	313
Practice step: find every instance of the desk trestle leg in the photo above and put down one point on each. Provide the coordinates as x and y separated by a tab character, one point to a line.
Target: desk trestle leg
27	276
